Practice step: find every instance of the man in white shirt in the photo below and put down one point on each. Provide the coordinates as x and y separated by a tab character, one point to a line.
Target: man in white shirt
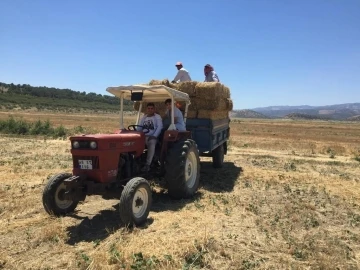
178	116
151	122
182	75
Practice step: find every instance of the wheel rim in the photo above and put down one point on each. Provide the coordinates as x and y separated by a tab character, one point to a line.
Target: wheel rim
140	202
59	197
191	170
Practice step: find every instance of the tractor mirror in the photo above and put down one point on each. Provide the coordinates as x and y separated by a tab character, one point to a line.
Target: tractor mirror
136	96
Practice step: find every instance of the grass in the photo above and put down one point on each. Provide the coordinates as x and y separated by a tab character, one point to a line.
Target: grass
281	202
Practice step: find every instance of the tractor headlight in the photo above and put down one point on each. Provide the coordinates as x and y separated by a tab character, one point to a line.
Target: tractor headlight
76	144
93	145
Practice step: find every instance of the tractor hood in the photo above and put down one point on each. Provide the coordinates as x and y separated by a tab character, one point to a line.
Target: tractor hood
124	140
122	135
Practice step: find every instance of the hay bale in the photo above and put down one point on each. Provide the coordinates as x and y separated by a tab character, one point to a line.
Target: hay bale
213	115
211	91
226	91
230	104
203	104
192	114
208	90
186	87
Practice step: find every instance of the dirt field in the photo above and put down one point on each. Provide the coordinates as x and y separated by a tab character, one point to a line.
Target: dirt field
287	197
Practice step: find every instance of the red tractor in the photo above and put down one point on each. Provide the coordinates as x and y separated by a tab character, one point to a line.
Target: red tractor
109	164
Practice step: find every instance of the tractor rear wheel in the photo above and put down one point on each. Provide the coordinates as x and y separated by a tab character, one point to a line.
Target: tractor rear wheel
135	202
218	156
53	196
182	169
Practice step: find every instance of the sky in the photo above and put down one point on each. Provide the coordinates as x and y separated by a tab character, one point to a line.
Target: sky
268	52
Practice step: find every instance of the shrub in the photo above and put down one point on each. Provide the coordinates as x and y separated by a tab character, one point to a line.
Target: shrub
22	127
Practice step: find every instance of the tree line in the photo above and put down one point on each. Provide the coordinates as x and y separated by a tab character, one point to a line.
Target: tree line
42	96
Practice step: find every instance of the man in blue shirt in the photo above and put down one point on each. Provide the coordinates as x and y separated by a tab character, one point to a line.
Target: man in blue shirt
178	116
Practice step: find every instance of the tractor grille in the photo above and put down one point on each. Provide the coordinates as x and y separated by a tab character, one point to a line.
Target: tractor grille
94	161
82	145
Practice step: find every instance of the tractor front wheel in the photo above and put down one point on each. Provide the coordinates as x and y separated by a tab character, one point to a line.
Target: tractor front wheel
53	196
135	202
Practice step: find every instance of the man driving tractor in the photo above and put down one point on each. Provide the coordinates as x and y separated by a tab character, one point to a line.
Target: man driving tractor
152	123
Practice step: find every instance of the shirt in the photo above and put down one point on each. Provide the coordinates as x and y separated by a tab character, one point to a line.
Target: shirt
152	123
179	123
212	77
182	76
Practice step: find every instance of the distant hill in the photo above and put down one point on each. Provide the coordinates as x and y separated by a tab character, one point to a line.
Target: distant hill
306	116
335	112
354	118
26	96
247	114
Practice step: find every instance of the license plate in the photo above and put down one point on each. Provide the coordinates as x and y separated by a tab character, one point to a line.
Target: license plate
85	164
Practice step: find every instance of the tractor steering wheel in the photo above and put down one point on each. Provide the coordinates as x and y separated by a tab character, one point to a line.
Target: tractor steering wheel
133	127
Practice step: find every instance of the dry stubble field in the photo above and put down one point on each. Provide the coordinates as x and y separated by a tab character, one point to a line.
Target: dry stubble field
287	197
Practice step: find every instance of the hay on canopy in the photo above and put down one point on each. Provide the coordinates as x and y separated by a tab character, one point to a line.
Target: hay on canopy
213	115
211	91
165	82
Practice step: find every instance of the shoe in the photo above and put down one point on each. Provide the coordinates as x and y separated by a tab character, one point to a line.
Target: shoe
146	168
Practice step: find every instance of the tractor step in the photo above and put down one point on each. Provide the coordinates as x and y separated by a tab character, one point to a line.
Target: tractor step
71	179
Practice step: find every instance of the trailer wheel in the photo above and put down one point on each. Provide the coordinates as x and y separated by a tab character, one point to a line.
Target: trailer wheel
218	156
182	169
53	196
135	202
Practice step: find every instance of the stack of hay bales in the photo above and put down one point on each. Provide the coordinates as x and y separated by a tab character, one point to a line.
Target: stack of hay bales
208	99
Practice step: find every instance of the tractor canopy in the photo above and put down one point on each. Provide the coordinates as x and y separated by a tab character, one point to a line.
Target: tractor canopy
149	93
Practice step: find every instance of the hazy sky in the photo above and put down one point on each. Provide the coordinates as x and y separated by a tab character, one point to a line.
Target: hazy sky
269	52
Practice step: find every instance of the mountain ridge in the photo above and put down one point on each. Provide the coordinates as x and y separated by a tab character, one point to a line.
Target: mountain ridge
342	111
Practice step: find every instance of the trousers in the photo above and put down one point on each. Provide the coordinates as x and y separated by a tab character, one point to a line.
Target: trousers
151	149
